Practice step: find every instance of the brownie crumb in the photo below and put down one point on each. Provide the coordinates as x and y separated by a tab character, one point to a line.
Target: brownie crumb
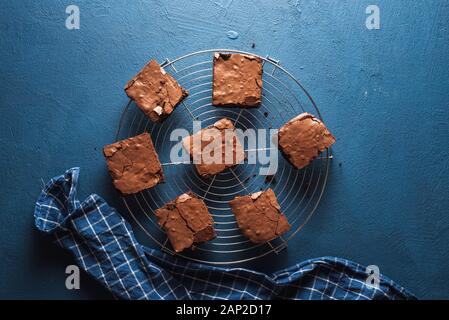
305	186
270	179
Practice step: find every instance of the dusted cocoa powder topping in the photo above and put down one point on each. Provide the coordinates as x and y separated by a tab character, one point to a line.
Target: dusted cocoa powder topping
215	148
133	164
259	216
303	138
186	221
237	80
155	92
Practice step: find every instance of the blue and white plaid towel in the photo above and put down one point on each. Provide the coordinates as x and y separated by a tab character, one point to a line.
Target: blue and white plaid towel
104	245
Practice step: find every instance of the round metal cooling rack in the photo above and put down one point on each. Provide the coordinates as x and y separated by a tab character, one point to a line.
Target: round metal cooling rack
298	191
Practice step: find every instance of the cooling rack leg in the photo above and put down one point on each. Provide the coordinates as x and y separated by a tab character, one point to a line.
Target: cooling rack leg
168	62
263	62
275	62
328	157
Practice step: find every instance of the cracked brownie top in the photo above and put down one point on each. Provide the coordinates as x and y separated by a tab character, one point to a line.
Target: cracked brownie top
259	216
133	164
215	148
186	221
155	92
237	80
302	138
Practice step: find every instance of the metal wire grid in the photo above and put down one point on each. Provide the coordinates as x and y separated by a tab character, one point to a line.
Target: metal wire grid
299	191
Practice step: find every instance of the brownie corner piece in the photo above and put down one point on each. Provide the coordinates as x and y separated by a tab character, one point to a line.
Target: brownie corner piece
259	216
186	221
303	138
237	80
133	164
155	91
218	139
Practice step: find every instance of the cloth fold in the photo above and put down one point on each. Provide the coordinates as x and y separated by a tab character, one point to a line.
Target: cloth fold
104	245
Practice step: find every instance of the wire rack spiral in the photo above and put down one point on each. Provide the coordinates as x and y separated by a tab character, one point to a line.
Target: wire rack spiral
298	191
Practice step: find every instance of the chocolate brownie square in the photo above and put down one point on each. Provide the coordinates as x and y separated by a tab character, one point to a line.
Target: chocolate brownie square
259	216
215	148
133	164
186	221
237	80
302	138
155	92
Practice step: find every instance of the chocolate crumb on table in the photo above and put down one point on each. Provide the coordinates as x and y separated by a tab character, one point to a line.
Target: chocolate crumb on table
155	92
303	138
220	137
259	216
133	164
237	80
187	221
270	179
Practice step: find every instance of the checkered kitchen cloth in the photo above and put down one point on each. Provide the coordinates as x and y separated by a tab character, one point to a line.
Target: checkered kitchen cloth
104	245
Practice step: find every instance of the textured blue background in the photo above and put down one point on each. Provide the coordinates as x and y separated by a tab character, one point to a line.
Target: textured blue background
384	94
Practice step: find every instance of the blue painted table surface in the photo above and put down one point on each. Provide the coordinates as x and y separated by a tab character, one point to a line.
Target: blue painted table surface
384	94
